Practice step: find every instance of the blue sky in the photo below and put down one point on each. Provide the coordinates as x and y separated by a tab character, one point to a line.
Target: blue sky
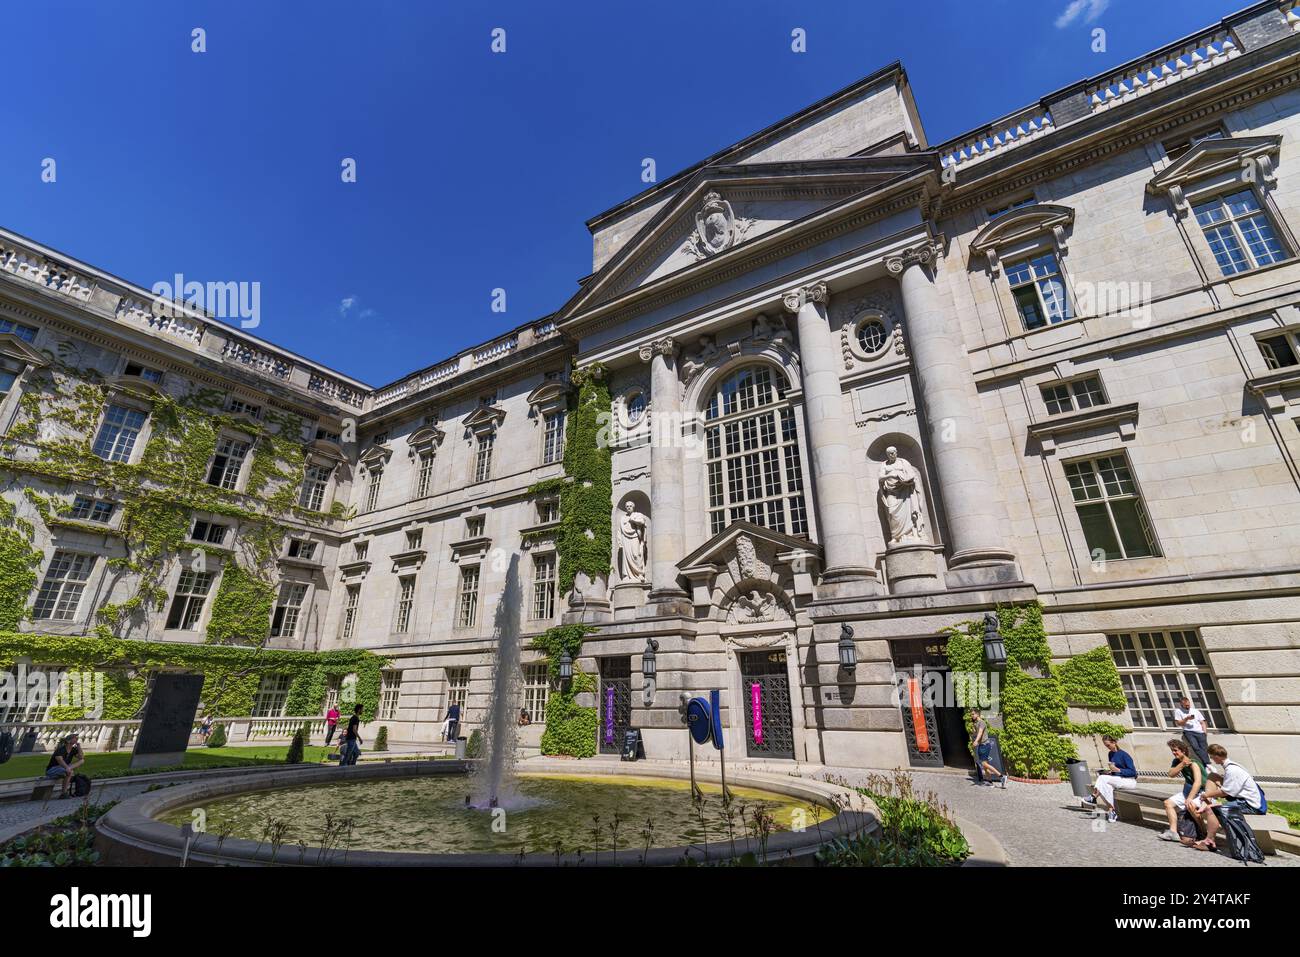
475	170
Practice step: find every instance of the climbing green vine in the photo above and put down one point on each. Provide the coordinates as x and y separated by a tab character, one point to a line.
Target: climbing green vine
570	727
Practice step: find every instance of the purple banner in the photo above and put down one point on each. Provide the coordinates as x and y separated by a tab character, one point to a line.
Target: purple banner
609	714
756	707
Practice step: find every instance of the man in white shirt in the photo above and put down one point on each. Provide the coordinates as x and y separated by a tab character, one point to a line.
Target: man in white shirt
1238	788
1193	724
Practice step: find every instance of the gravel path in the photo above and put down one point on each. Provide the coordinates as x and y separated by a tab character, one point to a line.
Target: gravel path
1043	825
19	816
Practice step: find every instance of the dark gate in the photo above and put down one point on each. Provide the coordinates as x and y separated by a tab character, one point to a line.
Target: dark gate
615	702
934	729
765	691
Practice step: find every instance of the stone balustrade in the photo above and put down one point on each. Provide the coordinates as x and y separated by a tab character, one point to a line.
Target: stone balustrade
1291	10
260	361
1168	66
334	389
1030	123
134	311
40	269
495	350
95	734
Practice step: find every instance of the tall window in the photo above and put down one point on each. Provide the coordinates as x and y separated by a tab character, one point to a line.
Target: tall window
272	694
425	480
1158	668
315	480
1039	291
65	580
543	587
117	434
467	602
1240	234
390	692
10	370
227	463
91	509
752	453
405	599
553	447
350	605
458	688
1110	508
1073	396
483	457
537	686
288	608
187	605
372	489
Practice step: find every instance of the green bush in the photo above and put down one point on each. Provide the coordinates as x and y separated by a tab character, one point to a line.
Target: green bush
915	831
294	755
217	739
381	739
474	746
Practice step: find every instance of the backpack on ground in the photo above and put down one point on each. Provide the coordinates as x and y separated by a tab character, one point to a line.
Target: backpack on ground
1238	839
80	786
1188	827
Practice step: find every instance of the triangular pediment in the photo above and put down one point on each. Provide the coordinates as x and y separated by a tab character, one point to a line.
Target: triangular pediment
725	212
11	345
483	418
1213	157
722	546
550	394
1020	225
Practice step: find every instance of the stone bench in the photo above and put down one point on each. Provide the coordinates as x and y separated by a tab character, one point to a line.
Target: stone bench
1146	806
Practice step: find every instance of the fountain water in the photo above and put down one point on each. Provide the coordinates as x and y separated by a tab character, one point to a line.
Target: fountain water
501	729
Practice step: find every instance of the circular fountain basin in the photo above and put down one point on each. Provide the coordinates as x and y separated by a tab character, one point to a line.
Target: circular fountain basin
414	813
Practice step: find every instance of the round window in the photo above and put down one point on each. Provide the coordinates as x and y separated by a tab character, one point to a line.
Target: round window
634	405
872	336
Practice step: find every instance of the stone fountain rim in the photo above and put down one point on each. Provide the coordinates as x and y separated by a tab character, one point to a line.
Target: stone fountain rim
131	829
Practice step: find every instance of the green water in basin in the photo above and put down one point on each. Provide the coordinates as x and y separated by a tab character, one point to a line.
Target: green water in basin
428	814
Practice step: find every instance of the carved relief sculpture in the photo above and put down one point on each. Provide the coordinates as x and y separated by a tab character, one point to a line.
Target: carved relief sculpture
633	548
704	353
900	493
717	228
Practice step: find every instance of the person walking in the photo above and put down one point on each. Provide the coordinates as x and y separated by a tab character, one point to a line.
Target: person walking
453	721
331	723
984	750
1122	777
351	747
1191	769
1193	724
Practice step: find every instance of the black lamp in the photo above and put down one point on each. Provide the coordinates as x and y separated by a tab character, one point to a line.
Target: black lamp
648	664
566	665
848	650
995	652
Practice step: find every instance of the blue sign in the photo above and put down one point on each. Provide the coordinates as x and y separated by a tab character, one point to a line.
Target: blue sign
699	721
715	703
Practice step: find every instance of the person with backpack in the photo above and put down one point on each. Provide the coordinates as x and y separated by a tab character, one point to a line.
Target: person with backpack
1191	769
64	762
1238	789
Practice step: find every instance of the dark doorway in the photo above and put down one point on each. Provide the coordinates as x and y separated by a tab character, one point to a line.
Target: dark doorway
765	696
934	726
615	702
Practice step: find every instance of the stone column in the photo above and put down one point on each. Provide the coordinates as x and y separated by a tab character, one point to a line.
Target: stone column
959	442
847	566
667	517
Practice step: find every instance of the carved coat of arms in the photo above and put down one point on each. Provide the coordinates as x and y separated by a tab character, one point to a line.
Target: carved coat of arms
717	228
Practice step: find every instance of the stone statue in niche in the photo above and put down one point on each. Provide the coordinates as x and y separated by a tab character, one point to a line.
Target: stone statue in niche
900	493
633	548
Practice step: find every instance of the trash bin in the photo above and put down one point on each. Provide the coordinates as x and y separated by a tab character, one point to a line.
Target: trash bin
1080	780
460	749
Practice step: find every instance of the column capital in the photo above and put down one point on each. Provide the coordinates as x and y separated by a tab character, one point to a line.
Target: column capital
921	254
800	296
667	346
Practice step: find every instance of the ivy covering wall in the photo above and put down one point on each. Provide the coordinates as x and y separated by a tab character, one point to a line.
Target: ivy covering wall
1035	703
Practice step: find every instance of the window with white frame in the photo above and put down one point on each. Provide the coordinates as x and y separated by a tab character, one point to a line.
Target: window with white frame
227	463
60	592
315	481
537	687
332	688
1157	669
553	444
1114	519
325	435
10	370
458	688
1039	291
187	604
90	509
118	433
548	510
272	695
1240	233
390	693
474	525
143	372
752	453
288	608
213	533
25	333
467	601
483	456
351	603
372	488
303	548
29	706
405	601
1280	349
424	481
1074	396
414	539
543	587
360	550
240	407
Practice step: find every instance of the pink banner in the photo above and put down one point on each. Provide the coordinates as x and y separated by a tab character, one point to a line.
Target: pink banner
609	714
756	706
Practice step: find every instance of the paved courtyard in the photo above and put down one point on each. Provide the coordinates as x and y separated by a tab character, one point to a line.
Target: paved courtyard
1044	825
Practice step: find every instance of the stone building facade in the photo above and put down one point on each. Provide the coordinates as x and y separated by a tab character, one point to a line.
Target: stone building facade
858	380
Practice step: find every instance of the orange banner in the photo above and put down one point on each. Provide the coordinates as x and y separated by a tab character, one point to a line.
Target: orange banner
918	715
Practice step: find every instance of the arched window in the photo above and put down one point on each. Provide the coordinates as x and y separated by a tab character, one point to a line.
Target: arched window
752	453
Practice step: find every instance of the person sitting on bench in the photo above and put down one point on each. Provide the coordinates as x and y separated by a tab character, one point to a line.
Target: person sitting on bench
1192	771
64	762
1238	788
1123	776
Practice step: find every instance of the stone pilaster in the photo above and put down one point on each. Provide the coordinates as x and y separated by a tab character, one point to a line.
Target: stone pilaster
667	515
848	568
959	443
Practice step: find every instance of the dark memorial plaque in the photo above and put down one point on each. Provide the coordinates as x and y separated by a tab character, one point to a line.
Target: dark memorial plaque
168	720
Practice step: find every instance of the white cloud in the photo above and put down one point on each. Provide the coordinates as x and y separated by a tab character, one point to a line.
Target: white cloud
346	304
1090	10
